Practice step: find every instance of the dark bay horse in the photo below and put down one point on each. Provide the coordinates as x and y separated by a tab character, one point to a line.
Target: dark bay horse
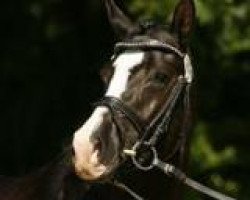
148	99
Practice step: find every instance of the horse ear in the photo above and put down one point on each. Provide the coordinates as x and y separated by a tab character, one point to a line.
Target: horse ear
184	17
121	24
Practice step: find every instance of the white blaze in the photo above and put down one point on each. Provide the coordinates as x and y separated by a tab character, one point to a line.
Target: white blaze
123	66
85	155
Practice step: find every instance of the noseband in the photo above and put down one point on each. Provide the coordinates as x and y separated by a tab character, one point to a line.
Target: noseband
152	132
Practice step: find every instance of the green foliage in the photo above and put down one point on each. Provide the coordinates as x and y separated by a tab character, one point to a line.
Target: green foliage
202	150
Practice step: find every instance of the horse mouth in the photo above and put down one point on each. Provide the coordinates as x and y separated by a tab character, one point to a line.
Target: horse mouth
89	161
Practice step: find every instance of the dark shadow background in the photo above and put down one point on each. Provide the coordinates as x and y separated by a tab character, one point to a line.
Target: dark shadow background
51	52
50	55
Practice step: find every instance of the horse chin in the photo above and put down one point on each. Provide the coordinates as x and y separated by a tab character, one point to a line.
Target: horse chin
94	169
88	163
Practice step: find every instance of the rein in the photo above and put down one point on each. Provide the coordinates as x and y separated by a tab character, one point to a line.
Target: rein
144	154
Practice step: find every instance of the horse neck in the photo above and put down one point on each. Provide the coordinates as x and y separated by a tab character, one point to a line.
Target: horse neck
55	181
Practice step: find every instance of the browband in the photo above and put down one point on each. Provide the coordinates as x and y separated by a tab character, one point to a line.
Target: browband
148	44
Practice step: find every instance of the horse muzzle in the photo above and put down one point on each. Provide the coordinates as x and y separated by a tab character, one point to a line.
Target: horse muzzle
96	151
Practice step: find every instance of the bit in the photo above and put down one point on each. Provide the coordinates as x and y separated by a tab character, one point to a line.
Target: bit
129	152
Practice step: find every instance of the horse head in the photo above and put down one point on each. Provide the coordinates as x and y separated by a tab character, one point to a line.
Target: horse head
148	63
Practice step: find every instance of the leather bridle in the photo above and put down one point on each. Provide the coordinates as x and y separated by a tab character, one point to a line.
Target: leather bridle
159	125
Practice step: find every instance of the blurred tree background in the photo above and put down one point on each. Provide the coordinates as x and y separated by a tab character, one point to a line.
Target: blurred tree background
50	54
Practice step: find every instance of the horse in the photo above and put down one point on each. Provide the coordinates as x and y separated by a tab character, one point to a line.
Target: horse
147	103
149	65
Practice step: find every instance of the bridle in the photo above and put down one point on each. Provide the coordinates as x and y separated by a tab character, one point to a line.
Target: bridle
159	125
144	152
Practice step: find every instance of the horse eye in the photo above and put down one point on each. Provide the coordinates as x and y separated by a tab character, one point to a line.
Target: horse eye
160	77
